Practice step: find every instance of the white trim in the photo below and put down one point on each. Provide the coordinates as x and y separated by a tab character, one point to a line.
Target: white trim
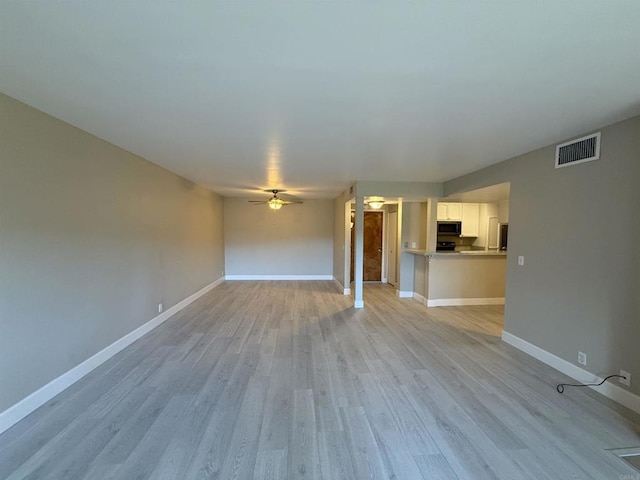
614	392
24	407
419	298
358	304
404	294
279	277
345	291
458	302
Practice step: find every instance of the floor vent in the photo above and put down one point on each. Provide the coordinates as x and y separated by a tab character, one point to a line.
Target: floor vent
577	151
630	455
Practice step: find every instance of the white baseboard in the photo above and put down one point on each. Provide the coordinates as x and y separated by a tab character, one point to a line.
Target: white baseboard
404	294
458	302
419	298
615	393
279	277
345	291
24	407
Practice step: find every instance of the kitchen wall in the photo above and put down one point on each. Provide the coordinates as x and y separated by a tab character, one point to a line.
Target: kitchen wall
487	210
578	229
92	239
414	225
503	211
295	240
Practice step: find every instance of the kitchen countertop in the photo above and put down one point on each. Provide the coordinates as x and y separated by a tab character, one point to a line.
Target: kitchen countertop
463	253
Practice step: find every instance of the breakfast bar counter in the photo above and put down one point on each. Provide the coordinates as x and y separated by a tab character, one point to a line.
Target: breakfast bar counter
472	277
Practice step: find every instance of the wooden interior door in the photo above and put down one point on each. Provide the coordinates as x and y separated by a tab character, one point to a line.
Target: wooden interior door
372	263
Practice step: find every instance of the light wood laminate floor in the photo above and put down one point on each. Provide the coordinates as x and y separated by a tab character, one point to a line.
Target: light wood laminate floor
280	380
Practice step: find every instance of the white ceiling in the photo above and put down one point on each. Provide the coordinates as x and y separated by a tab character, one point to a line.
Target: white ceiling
311	96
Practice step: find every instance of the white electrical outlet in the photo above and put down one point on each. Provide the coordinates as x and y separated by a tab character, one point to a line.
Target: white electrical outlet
582	358
627	380
159	308
521	260
413	244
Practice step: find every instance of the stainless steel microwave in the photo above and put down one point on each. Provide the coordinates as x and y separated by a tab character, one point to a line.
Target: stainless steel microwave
450	228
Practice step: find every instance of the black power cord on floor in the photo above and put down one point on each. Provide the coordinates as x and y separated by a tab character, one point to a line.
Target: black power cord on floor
560	386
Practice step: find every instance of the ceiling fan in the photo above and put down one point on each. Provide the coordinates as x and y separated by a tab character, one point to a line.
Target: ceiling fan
275	202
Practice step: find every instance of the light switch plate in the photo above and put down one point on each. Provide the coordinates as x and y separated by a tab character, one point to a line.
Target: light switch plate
521	260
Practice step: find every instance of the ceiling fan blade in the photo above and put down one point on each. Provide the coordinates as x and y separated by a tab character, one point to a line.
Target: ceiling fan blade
257	202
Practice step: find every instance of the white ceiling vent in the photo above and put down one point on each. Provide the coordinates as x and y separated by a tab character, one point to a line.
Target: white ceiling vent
580	150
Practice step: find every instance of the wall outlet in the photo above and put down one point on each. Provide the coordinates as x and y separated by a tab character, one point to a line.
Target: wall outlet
413	244
521	260
625	381
159	308
582	358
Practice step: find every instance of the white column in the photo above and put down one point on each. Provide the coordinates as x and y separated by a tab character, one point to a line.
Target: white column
432	224
409	234
358	300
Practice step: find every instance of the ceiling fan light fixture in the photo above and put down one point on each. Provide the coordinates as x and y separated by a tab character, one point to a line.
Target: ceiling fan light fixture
275	203
376	204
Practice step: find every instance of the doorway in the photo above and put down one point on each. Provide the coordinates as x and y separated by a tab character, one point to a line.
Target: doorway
372	245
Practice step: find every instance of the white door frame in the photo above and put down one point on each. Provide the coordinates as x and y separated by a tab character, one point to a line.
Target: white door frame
387	244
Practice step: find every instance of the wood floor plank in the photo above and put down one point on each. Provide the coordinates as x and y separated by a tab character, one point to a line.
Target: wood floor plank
284	379
335	460
303	446
276	423
365	453
147	453
241	457
271	465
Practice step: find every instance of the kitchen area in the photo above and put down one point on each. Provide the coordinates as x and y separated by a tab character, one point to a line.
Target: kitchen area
461	250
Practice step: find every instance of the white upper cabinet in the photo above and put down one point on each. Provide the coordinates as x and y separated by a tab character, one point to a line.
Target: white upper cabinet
470	219
450	211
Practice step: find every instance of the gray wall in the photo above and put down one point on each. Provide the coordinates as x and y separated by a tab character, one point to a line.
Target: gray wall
579	230
92	238
295	240
339	247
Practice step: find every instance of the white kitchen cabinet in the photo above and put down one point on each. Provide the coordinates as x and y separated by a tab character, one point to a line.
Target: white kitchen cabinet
470	219
450	211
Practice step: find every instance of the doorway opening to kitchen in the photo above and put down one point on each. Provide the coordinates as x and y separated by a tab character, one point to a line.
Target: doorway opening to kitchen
469	266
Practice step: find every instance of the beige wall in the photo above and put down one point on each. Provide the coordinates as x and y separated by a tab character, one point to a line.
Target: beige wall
295	240
458	276
92	238
578	229
466	276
